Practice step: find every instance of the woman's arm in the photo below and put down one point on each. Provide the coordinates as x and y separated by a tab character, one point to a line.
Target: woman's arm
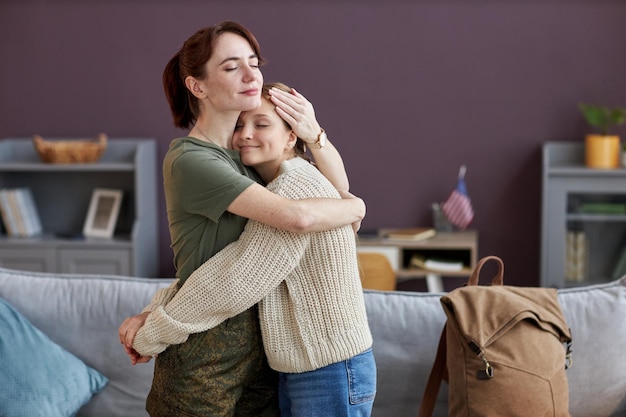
329	162
305	215
296	110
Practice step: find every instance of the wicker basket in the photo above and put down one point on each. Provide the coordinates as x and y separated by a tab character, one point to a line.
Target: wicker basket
70	151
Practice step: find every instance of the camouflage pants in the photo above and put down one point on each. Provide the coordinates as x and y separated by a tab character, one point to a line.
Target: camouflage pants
219	373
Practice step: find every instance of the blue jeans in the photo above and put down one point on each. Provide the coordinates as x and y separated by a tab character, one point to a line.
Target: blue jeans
342	389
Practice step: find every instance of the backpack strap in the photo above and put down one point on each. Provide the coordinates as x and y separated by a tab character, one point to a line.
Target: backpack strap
437	373
497	280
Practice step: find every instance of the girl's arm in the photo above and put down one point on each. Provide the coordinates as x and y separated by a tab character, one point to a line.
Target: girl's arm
222	287
131	325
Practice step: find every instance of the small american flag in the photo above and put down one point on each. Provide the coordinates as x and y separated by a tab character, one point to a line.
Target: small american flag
458	207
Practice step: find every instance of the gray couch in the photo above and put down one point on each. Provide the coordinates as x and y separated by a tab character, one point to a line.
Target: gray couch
82	313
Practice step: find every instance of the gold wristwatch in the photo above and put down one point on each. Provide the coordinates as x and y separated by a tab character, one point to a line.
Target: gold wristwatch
321	139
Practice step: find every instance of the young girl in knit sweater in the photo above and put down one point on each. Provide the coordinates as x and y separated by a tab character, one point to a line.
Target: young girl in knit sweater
311	305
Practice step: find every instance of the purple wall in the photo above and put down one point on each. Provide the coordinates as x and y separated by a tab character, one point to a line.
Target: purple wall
408	91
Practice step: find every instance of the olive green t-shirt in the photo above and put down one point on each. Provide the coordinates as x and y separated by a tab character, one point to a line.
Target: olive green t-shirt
200	181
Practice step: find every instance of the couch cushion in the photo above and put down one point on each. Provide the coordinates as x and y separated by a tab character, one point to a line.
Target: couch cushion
597	379
406	327
82	313
37	376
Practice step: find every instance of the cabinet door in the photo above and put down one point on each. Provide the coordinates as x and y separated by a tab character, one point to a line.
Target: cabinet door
584	231
595	237
36	260
95	261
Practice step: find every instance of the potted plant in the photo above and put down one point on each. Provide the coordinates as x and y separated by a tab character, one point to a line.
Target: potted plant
602	149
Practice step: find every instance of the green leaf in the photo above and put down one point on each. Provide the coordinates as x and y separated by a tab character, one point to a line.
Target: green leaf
601	117
617	116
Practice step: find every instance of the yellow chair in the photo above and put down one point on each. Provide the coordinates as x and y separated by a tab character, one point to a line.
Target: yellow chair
376	272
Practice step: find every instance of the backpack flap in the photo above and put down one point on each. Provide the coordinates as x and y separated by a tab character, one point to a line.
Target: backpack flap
484	313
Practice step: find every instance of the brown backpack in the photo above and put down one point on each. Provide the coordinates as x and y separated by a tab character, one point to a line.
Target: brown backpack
501	351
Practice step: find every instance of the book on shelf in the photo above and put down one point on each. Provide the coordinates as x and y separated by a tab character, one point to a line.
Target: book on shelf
436	264
603	208
19	213
7	214
26	202
412	233
576	256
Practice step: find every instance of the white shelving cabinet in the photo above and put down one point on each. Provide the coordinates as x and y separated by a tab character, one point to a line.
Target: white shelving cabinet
62	193
585	204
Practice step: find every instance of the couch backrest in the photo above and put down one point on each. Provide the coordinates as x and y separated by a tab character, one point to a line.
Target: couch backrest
82	313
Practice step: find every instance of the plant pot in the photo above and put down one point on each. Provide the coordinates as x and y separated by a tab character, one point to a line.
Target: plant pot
602	151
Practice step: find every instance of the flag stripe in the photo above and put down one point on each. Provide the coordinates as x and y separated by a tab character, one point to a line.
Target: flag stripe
458	207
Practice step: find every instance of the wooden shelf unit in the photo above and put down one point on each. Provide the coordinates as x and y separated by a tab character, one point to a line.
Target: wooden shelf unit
458	246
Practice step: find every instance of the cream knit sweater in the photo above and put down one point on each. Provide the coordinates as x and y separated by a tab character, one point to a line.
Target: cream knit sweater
311	305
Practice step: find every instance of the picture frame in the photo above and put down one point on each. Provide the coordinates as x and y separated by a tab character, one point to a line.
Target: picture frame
104	209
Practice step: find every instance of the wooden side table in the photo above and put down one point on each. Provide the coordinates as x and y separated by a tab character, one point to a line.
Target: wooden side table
454	246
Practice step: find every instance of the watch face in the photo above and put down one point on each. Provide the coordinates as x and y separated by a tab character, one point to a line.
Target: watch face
321	141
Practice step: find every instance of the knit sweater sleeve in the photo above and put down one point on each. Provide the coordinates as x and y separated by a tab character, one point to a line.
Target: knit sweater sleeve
230	282
162	297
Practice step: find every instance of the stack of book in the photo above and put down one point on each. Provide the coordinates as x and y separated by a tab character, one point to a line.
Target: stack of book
576	256
19	213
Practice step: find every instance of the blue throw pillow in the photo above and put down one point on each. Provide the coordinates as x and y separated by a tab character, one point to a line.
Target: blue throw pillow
37	376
